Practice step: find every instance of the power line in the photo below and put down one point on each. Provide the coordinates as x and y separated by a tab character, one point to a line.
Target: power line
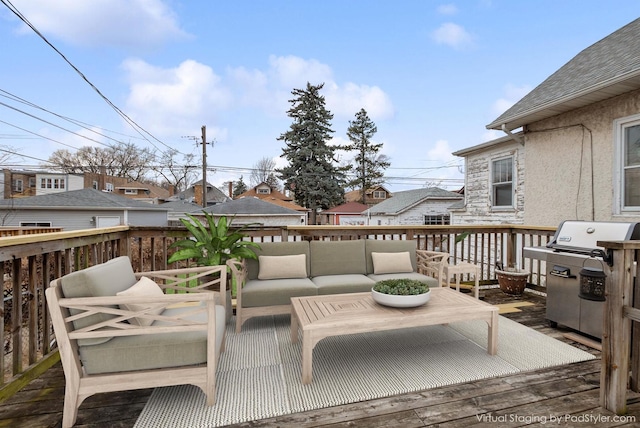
130	121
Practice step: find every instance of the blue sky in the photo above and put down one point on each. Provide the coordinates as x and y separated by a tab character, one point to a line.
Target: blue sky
430	74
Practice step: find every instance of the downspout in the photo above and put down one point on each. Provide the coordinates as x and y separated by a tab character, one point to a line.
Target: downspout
517	139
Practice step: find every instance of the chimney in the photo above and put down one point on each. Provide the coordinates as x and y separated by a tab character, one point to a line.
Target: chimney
197	193
172	189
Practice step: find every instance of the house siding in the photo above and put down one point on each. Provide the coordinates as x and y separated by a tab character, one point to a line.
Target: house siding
81	219
573	176
415	215
478	209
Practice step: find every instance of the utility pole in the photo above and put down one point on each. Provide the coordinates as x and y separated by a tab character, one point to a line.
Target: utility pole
204	166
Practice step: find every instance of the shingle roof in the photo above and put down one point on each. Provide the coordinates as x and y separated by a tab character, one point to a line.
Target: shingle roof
85	198
605	69
250	206
408	198
348	208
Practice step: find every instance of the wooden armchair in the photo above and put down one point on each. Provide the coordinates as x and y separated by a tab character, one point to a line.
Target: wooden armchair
113	337
432	263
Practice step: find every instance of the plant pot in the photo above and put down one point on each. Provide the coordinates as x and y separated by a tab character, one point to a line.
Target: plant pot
512	281
400	301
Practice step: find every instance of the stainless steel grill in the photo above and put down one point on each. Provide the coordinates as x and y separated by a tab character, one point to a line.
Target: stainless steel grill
574	247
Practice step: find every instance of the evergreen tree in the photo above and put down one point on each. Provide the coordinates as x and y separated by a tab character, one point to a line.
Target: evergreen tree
311	174
239	188
368	166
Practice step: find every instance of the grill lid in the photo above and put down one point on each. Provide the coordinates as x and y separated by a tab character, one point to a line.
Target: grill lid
582	236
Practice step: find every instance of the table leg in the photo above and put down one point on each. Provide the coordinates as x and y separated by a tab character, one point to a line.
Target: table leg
294	327
492	345
307	357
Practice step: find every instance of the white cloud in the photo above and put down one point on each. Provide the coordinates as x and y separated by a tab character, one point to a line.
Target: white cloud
346	100
512	94
448	9
453	35
172	101
122	23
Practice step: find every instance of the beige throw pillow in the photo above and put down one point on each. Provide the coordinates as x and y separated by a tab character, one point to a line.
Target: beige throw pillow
391	262
144	287
282	267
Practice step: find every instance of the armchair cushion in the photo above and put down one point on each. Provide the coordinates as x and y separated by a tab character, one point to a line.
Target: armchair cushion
153	351
144	287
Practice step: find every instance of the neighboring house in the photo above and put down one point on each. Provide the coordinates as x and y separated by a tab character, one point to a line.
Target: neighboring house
581	134
194	194
414	207
123	186
256	211
22	184
268	194
372	196
351	213
19	184
80	209
177	210
494	183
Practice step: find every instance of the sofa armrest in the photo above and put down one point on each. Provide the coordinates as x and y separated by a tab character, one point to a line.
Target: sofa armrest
239	273
432	263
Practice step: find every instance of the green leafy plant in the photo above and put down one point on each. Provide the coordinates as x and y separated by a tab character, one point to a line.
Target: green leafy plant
401	287
212	243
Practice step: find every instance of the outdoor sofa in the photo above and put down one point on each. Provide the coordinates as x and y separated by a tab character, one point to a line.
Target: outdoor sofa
117	330
308	268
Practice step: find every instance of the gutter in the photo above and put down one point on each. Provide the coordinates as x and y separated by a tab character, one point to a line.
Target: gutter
516	138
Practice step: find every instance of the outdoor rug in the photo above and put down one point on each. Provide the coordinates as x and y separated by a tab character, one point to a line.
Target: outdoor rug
259	374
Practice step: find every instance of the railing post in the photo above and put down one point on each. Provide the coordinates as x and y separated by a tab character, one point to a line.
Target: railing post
616	332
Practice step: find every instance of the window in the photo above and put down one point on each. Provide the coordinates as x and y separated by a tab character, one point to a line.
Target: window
263	191
95	185
32	182
379	194
45	183
17	186
502	182
436	219
130	191
109	187
630	177
35	224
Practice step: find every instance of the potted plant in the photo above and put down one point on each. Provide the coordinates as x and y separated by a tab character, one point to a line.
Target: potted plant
512	280
400	293
213	243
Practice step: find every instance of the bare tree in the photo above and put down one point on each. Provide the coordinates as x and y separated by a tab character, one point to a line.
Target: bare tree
263	172
121	160
172	171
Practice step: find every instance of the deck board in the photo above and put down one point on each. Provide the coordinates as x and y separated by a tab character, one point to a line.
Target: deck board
570	389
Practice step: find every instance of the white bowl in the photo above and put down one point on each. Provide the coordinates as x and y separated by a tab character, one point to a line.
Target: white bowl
401	301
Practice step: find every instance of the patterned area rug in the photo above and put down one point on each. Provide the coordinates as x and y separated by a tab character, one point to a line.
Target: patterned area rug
259	374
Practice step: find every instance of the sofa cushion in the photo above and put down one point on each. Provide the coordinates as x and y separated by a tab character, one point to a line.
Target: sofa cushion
105	279
337	284
278	267
431	282
153	351
271	292
276	249
389	246
145	287
337	257
391	262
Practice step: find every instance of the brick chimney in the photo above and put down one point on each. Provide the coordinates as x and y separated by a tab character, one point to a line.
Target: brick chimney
197	192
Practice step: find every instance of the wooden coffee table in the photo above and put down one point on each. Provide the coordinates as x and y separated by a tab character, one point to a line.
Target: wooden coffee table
340	314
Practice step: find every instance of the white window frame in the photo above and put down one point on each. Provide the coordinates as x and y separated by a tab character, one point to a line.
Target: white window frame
109	187
492	184
18	186
619	126
379	194
437	219
130	191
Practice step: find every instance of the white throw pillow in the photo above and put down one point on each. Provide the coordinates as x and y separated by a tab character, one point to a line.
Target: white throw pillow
144	287
282	267
391	262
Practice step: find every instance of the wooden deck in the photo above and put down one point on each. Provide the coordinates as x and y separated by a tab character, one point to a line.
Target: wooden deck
569	393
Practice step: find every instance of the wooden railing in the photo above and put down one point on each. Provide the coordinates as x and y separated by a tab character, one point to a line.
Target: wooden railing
32	261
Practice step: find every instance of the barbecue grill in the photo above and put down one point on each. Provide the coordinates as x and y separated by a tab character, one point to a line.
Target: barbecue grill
574	249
